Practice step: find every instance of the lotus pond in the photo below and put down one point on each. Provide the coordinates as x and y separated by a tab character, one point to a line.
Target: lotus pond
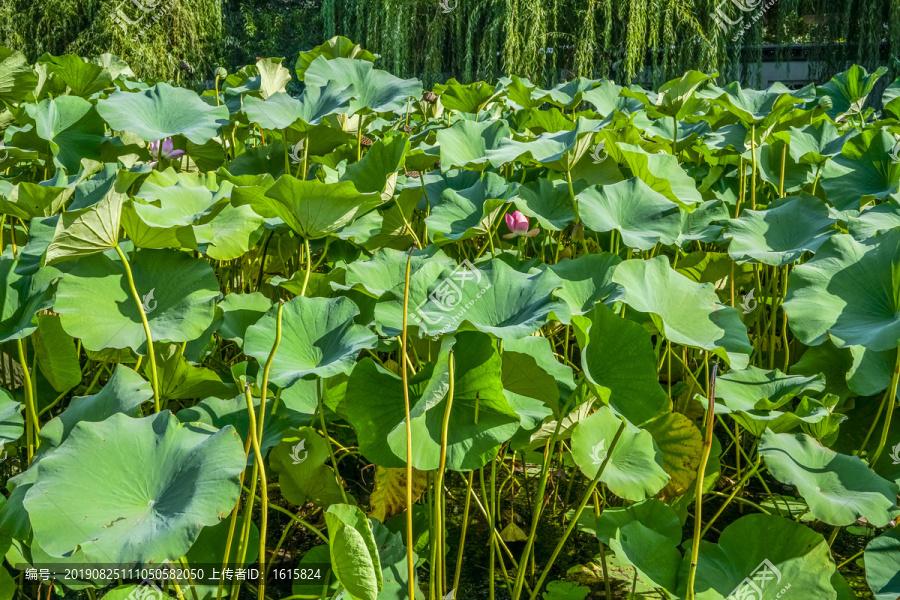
376	342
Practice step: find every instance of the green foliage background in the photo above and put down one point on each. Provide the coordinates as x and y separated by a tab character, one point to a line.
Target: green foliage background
650	41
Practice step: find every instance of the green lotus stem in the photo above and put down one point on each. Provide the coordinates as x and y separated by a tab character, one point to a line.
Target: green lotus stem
308	266
753	157
266	369
140	306
334	463
675	136
186	567
32	427
262	264
742	188
574	521
783	161
603	564
465	527
287	162
439	481
572	195
248	513
177	588
891	399
701	468
263	488
734	492
232	525
275	552
411	565
359	139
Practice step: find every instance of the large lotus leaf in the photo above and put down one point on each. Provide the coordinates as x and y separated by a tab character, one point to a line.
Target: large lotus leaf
522	93
134	491
56	354
312	208
303	477
273	76
838	488
875	219
72	128
240	311
559	150
281	111
493	298
80	77
318	338
173	205
123	393
469	98
377	170
634	470
587	280
755	388
86	231
336	47
463	214
394	568
219	412
686	312
17	78
617	357
702	224
209	549
753	106
354	554
882	559
780	234
865	168
465	144
771	164
652	513
758	556
663	174
11	421
376	91
606	98
676	97
848	291
21	298
163	111
642	216
815	145
849	90
535	383
29	200
178	292
547	201
230	233
681	444
655	557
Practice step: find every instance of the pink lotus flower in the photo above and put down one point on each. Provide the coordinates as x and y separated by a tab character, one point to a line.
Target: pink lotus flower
167	151
518	226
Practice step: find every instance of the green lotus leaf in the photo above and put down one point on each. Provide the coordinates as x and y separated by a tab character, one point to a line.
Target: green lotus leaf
568	94
230	233
606	99
870	373
864	168
460	215
521	92
377	171
180	479
634	470
849	90
56	354
875	219
780	234
468	98
587	280
21	299
492	297
303	477
179	380
86	231
755	388
547	201
642	216
393	558
12	424
701	224
771	163
17	78
79	76
376	91
273	76
72	128
681	444
663	174
29	200
838	488
240	311
676	97
336	47
281	111
95	303
757	556
312	208
209	549
753	106
318	338
533	379
815	145
559	151
882	559
686	312
655	557
354	554
652	513
617	358
163	111
847	292
465	143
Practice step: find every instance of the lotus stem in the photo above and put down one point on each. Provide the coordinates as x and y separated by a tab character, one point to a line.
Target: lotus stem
308	266
154	380
32	428
462	536
753	158
574	521
783	161
891	399
411	565
264	506
439	481
264	389
701	469
334	463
